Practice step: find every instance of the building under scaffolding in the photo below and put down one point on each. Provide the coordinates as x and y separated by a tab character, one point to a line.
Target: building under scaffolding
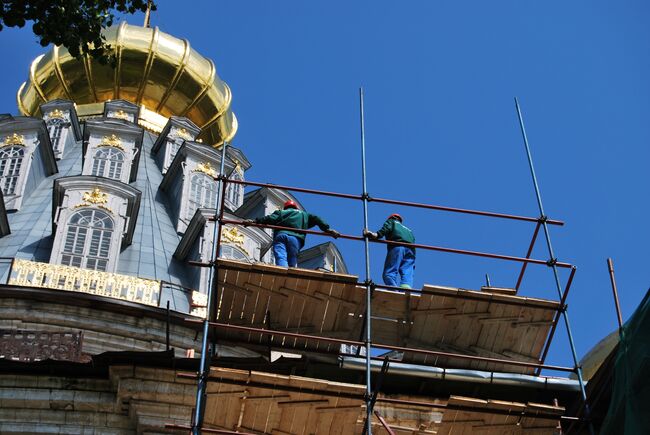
119	189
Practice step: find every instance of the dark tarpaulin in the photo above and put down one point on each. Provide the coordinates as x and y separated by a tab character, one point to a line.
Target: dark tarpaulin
629	409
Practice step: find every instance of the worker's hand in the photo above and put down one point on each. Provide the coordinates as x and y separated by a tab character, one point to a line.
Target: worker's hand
370	234
332	232
247	222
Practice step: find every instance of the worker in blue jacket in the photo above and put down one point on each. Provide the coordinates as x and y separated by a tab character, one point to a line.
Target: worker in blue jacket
400	260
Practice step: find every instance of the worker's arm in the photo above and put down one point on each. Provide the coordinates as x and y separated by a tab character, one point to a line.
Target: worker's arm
386	229
313	220
271	219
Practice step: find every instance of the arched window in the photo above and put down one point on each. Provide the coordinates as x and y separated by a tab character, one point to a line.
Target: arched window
235	192
11	160
55	127
229	251
88	239
108	162
203	193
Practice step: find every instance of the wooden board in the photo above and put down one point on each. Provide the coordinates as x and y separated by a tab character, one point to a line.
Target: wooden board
290	300
266	403
465	322
258	402
492	417
326	304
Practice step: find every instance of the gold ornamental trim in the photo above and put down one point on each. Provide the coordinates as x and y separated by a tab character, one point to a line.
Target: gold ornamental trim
94	198
183	134
111	141
121	114
69	278
56	114
15	139
232	236
206	168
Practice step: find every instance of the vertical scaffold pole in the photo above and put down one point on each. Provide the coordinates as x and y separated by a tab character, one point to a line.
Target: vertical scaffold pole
610	267
204	368
368	427
552	262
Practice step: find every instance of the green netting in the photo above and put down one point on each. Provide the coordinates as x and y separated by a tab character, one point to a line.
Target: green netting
629	409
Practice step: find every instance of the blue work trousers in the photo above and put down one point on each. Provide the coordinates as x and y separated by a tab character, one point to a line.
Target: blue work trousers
399	265
285	250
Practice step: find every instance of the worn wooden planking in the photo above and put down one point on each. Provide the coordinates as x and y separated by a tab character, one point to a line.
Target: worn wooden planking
270	409
295	303
520	419
486	324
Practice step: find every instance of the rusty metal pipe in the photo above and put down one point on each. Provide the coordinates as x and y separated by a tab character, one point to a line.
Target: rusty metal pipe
528	254
412	245
397	202
610	267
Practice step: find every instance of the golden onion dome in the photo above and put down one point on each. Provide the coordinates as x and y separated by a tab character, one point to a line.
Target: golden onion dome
159	72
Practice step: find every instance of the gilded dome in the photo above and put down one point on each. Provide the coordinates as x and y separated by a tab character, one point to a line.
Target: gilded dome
157	71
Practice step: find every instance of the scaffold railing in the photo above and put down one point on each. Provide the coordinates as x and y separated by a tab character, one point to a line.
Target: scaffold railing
542	222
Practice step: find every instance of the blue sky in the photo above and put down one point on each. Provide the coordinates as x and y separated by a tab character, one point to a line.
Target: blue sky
440	77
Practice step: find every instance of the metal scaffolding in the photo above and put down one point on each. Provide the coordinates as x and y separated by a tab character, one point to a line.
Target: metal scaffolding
209	326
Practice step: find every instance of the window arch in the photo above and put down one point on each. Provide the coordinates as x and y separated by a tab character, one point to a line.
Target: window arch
88	237
108	162
11	161
55	128
203	193
229	251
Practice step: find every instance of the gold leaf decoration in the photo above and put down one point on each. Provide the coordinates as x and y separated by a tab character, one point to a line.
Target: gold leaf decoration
56	114
112	141
15	139
184	134
232	236
121	114
206	168
111	285
96	197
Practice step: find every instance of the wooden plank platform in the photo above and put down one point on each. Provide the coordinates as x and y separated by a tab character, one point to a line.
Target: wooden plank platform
332	305
266	403
480	416
291	300
463	321
259	402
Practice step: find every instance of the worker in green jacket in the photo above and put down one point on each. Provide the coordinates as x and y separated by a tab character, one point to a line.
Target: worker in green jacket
286	243
400	260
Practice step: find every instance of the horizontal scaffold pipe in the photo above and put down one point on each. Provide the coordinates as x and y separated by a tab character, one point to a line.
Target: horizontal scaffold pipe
382	346
464	375
466	211
412	245
296	189
403	203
